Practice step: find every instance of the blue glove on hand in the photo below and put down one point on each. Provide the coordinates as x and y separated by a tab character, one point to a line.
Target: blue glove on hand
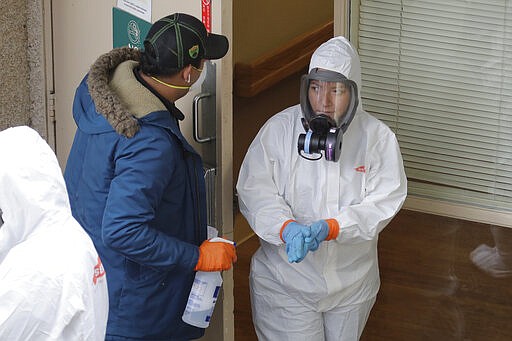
319	232
294	235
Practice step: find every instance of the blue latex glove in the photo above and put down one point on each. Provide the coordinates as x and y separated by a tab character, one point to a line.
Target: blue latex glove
319	231
294	235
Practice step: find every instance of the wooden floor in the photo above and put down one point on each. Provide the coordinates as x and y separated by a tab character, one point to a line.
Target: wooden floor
430	288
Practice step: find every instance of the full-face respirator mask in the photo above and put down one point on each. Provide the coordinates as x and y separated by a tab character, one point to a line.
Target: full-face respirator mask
329	102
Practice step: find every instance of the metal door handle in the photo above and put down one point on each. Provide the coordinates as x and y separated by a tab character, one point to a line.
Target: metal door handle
195	118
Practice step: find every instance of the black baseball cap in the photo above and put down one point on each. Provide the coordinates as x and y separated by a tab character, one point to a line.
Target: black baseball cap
178	40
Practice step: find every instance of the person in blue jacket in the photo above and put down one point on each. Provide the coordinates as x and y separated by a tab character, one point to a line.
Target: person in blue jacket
137	186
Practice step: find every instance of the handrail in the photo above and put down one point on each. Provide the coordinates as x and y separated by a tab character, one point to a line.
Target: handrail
269	69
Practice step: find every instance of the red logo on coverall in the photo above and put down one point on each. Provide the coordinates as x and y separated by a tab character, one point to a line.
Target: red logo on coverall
99	271
361	169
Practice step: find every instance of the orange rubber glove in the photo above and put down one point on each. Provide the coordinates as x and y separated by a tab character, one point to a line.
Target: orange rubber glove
215	256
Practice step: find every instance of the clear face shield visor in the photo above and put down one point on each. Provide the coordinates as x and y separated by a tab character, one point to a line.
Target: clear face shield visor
328	100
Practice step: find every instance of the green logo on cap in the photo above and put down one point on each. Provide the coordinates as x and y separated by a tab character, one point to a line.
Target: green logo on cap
193	51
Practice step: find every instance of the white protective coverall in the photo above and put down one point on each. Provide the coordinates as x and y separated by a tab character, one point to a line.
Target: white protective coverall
329	294
52	283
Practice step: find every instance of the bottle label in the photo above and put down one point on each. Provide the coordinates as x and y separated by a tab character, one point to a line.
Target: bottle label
201	301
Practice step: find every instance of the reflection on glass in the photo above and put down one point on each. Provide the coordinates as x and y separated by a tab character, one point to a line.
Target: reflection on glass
496	261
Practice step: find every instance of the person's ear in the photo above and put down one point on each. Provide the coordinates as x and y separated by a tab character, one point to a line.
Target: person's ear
186	73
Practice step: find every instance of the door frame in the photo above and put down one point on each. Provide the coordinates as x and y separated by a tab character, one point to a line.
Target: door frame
341	17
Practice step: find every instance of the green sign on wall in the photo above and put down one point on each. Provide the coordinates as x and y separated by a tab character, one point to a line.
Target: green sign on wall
128	30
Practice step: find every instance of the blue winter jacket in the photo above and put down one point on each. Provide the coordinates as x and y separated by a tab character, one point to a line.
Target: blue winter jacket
137	188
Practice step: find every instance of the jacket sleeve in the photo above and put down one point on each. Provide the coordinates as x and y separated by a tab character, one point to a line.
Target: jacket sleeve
259	190
143	167
385	190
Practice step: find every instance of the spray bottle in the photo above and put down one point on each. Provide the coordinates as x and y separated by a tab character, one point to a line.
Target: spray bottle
203	295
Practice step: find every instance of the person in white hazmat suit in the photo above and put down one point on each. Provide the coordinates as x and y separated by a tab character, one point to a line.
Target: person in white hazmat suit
52	283
318	184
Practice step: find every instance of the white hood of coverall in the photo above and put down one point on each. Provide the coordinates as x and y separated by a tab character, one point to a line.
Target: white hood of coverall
363	191
348	66
49	287
32	192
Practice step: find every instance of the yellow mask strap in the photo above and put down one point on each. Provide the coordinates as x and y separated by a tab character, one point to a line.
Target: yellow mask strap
198	70
179	87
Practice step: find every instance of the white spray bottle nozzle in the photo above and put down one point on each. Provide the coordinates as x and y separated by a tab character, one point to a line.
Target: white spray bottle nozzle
222	240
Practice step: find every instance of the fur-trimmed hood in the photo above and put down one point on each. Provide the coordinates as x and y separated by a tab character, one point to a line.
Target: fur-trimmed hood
117	95
107	102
